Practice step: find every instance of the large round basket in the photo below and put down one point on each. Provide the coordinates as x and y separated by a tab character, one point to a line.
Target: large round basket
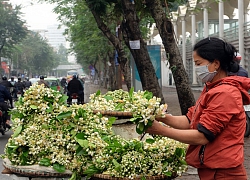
34	170
122	126
105	176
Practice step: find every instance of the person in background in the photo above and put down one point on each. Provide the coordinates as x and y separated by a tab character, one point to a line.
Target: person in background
27	83
6	83
64	84
75	86
19	86
5	95
242	71
42	81
13	89
214	127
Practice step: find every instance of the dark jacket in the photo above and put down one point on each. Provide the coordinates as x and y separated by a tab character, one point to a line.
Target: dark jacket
27	84
7	84
4	94
19	86
75	86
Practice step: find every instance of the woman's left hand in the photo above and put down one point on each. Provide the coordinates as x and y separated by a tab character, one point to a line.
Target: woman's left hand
157	128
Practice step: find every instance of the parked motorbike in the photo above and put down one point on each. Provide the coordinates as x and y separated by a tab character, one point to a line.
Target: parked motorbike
247	111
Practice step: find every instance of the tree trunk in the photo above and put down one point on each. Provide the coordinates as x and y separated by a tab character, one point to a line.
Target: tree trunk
165	28
122	59
131	31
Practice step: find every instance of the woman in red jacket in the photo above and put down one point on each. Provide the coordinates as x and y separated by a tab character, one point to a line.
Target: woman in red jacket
214	127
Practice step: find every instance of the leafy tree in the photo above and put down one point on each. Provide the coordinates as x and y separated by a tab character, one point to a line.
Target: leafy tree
62	54
131	16
12	29
35	55
165	27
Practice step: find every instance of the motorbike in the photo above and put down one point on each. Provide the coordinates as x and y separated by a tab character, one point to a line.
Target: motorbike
3	126
74	98
19	94
247	111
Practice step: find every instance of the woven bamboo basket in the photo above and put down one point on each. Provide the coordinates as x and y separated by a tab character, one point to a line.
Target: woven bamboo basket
105	176
122	126
34	170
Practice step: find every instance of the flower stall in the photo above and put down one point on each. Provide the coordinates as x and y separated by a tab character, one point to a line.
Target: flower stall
51	139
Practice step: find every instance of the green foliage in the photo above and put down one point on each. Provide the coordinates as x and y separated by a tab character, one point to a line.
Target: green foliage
12	29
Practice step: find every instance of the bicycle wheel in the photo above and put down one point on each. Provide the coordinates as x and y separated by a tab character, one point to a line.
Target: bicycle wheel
247	132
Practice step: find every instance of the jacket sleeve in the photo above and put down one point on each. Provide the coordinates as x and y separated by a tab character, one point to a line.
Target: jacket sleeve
220	106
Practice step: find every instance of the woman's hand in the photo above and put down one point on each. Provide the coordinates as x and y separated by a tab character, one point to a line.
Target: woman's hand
157	128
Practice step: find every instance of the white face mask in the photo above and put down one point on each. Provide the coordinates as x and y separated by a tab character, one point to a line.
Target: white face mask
204	74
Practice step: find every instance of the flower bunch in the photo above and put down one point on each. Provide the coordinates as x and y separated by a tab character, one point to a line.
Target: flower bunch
48	133
142	104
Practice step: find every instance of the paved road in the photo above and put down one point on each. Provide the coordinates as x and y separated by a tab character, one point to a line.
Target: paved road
171	99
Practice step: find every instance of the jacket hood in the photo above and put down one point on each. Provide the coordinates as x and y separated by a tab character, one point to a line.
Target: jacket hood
242	83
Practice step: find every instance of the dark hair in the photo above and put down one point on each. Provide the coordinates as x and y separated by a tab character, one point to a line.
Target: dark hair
41	77
213	48
4	78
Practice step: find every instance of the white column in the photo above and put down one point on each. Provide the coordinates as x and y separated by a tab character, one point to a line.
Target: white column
205	19
175	29
241	31
193	39
221	19
183	28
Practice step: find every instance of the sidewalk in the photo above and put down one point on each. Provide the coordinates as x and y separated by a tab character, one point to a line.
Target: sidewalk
171	98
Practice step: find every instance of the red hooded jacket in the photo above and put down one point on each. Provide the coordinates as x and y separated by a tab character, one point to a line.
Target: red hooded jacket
220	110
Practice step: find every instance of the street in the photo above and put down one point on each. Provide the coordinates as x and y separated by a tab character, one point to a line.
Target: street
171	99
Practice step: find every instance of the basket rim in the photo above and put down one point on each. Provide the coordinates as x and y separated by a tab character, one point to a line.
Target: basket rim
29	172
114	113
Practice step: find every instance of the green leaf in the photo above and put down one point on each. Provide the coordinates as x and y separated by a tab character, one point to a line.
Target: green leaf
91	171
150	141
111	121
44	162
80	138
179	152
59	168
108	98
45	126
73	176
64	115
169	173
51	100
33	107
98	93
83	143
17	131
143	178
131	93
140	128
117	165
148	95
63	99
50	108
72	124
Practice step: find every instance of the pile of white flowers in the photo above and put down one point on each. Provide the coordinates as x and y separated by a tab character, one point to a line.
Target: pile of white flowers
142	104
48	133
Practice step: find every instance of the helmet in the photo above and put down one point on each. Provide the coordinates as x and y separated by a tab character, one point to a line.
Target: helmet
27	78
41	77
19	79
12	78
237	56
4	78
74	76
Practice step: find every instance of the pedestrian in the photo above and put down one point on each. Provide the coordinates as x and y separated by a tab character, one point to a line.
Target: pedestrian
214	127
42	81
27	83
242	71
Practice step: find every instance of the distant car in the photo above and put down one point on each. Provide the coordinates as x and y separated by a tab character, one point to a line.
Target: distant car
54	83
34	80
